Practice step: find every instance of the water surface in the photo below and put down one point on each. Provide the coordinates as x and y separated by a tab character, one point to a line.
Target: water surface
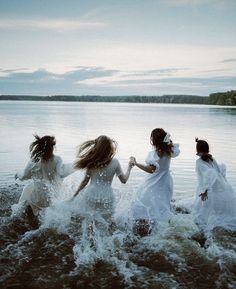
58	254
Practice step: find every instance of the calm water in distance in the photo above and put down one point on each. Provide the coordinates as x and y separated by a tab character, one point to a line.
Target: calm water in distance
129	124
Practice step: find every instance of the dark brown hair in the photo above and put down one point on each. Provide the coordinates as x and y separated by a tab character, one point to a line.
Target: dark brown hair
202	148
42	148
96	153
157	140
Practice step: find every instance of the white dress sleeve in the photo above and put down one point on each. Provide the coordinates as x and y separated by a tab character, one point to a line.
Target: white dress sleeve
27	174
59	166
207	175
68	169
175	150
222	169
153	159
63	170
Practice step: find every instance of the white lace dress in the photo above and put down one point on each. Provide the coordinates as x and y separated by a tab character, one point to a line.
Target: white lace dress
154	195
97	199
45	180
219	210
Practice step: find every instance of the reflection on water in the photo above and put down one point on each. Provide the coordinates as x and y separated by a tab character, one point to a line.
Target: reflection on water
65	252
129	124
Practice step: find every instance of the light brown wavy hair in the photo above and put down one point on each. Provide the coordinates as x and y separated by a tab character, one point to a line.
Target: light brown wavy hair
96	153
42	148
156	139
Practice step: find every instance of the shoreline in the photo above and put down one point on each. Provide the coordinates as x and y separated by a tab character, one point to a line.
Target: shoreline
219	98
126	102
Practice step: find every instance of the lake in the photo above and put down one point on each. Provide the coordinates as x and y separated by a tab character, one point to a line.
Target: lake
59	254
129	124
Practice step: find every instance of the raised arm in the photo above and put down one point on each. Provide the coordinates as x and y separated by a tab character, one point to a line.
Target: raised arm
124	177
146	168
152	163
83	183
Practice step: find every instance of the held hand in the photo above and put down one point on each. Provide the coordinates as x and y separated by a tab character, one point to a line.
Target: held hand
132	160
204	196
131	164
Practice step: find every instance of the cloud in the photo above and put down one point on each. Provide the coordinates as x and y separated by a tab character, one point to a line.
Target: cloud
194	2
216	70
44	82
155	72
229	60
174	80
42	75
48	24
97	80
12	70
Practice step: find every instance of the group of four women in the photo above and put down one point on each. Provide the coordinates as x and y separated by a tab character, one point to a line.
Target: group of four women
215	202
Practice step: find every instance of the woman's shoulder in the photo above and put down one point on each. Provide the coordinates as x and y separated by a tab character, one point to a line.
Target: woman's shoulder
153	153
114	161
199	161
204	164
57	158
175	145
31	164
175	150
152	158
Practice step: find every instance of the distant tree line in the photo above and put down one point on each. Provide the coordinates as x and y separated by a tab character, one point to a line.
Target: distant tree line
219	98
223	98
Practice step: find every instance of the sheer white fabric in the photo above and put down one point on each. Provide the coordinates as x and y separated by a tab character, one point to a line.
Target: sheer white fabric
155	194
45	181
220	207
97	199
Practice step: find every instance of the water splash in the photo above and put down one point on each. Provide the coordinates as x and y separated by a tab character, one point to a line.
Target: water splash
76	249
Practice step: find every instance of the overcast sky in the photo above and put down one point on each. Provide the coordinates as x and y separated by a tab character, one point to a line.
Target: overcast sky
111	47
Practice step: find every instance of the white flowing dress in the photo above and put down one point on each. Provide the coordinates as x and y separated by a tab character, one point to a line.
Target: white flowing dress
45	181
219	210
98	198
153	201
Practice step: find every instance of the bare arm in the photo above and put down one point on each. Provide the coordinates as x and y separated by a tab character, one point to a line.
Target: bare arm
146	168
124	177
83	183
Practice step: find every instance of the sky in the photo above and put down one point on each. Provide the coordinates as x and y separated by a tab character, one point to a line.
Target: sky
110	47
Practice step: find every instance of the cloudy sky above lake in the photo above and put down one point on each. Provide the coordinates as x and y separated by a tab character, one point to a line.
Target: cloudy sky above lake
111	47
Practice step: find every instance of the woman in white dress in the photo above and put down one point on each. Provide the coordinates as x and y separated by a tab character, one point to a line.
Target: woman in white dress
215	203
97	158
45	172
153	202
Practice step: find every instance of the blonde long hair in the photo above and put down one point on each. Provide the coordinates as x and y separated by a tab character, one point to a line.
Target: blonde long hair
96	153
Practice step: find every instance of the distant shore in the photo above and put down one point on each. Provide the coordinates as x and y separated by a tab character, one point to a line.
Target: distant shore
220	98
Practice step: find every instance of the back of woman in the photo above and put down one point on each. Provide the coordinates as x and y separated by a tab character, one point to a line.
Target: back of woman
97	158
52	170
104	175
215	203
44	170
153	199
